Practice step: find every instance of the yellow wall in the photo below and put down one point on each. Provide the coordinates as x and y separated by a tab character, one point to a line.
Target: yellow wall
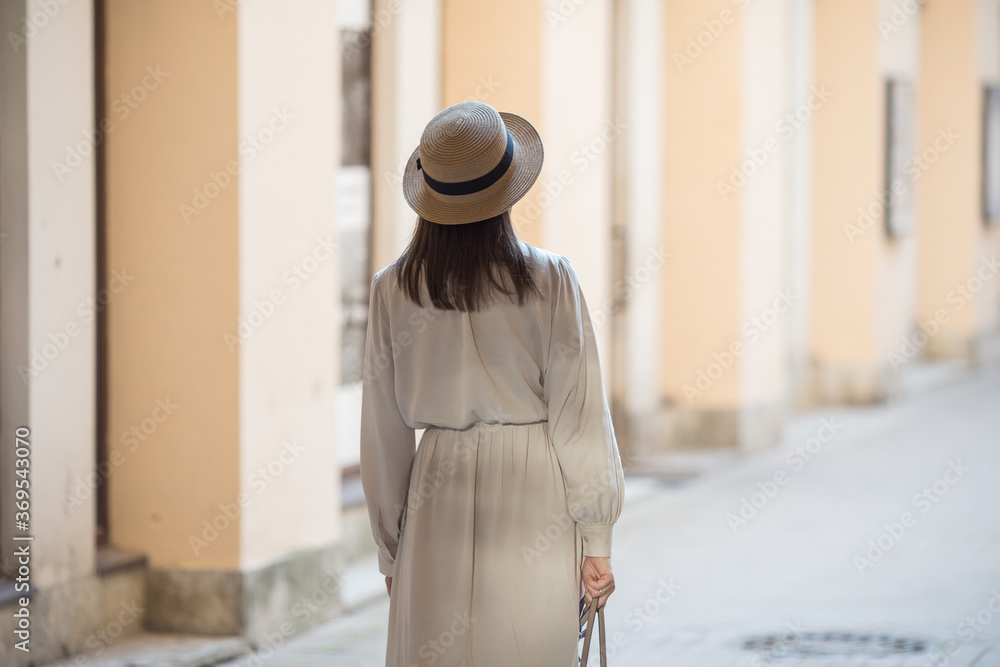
701	139
501	43
958	56
847	168
165	333
949	191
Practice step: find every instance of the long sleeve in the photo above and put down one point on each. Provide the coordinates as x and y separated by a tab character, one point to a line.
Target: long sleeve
579	418
387	443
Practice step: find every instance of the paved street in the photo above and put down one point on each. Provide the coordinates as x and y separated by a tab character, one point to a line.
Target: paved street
868	533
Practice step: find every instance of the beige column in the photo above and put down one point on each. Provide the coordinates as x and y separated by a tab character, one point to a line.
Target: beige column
640	251
582	128
48	285
223	355
957	303
47	330
769	301
166	333
863	278
290	372
726	291
701	139
848	133
406	93
989	68
799	193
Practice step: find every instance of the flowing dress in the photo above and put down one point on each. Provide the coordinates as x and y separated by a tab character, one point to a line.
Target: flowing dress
517	478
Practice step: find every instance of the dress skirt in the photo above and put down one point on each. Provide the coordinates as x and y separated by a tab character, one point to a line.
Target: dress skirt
487	571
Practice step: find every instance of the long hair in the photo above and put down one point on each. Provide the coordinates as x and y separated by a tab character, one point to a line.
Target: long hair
466	266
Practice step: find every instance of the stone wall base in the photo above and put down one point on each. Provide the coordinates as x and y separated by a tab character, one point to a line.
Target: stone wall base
87	615
267	605
849	385
681	429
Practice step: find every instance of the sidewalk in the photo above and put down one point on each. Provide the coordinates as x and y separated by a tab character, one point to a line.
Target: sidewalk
867	533
875	543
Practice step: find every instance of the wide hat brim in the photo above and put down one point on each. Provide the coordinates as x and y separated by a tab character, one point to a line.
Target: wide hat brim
524	169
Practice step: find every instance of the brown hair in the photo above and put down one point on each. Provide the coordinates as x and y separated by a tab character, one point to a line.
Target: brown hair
466	265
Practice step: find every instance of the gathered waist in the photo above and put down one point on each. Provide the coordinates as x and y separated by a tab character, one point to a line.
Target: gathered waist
482	424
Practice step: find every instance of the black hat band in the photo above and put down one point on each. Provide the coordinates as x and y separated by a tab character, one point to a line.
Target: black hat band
476	184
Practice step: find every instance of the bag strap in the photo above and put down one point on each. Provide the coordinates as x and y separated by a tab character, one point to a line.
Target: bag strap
587	617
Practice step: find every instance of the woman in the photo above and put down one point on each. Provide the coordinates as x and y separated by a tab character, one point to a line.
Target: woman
486	533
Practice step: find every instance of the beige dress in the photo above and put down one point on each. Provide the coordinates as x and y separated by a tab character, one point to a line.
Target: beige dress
516	479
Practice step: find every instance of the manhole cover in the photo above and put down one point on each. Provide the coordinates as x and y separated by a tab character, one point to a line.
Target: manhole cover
823	644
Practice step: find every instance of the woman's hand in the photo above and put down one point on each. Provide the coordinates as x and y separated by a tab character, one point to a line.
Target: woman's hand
597	579
388	585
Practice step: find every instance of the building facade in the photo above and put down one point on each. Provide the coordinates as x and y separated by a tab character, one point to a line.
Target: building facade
771	204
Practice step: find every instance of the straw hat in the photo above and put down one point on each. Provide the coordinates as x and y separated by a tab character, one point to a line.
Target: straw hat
473	163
